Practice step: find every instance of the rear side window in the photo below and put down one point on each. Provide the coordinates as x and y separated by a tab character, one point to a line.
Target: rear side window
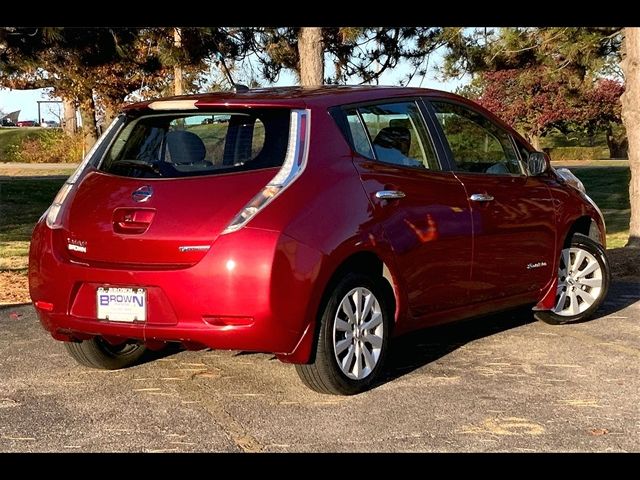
179	144
361	142
395	132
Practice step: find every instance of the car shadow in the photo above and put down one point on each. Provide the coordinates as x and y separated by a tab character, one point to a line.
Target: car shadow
622	293
169	350
414	350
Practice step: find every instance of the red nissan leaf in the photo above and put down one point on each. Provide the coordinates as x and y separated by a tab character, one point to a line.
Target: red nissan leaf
314	223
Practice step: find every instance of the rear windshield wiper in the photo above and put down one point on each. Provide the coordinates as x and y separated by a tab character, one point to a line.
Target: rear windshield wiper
150	167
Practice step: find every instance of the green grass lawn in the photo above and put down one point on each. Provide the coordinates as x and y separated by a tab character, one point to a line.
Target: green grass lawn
609	188
12	136
22	201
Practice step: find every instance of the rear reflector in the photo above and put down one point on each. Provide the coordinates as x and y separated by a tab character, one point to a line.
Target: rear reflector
46	306
225	321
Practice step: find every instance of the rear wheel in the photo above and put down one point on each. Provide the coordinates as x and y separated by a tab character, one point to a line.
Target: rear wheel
353	338
583	281
98	353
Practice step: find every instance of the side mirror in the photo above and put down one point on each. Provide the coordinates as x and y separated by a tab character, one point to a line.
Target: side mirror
537	163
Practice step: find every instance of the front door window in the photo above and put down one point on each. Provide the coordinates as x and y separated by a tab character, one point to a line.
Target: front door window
477	145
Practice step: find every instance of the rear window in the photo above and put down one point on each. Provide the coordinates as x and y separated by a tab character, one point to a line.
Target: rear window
171	145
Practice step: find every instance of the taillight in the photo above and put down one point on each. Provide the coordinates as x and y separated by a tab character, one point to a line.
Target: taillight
292	167
55	212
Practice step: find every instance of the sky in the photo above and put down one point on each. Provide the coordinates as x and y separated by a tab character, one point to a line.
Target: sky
25	100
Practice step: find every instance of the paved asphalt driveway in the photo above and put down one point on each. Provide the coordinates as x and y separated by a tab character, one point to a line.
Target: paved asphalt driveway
499	383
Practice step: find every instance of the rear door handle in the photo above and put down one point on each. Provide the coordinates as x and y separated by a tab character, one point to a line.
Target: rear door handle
481	197
390	194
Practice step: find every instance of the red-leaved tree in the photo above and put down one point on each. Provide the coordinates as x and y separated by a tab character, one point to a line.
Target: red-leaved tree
600	110
536	100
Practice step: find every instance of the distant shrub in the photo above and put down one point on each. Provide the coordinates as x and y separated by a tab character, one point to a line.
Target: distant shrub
577	153
51	146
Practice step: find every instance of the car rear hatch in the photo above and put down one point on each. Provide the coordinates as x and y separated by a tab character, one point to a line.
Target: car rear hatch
170	182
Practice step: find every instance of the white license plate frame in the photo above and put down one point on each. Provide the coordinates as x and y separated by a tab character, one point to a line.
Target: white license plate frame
121	304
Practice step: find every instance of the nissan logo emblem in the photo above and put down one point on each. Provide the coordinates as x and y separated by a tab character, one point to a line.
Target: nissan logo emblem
142	194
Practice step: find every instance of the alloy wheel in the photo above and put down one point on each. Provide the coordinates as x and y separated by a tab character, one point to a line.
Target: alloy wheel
358	332
580	282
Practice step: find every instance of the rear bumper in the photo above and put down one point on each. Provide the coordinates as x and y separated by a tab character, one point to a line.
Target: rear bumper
252	291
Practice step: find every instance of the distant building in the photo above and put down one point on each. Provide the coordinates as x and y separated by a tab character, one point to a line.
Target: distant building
10	119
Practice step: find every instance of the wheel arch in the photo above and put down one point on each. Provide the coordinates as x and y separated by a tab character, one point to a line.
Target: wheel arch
587	226
544	314
370	263
364	260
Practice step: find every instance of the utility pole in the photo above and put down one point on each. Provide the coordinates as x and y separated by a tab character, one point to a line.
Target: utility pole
177	69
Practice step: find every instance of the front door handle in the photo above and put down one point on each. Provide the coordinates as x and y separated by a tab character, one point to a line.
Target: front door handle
390	194
480	197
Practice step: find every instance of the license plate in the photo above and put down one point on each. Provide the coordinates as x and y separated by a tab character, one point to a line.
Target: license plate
122	304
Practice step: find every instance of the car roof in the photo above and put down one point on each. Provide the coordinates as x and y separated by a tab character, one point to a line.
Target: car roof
296	96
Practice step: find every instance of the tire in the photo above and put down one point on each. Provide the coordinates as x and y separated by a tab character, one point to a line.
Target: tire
342	333
579	296
98	353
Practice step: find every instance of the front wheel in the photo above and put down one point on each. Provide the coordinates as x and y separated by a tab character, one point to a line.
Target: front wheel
98	353
583	282
353	338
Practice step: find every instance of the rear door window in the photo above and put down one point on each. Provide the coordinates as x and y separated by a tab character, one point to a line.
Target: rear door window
392	133
176	145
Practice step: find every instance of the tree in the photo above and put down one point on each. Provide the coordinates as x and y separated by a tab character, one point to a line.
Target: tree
536	100
357	54
599	109
631	119
531	100
578	52
79	65
98	68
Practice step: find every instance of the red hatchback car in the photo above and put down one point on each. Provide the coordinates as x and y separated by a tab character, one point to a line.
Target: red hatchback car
311	223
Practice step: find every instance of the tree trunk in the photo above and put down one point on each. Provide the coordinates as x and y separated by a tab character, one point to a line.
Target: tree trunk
618	145
534	140
69	122
177	70
88	116
631	118
311	53
110	112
